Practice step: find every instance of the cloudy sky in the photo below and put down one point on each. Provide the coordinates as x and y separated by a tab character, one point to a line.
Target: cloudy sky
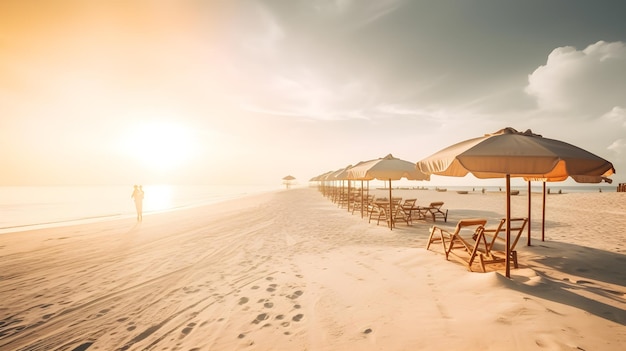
247	92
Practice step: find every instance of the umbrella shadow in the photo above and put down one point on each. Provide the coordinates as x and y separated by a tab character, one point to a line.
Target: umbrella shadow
586	278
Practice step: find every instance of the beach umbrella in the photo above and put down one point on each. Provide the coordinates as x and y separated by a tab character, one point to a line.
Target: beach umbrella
333	177
343	175
581	179
387	168
287	180
321	179
508	153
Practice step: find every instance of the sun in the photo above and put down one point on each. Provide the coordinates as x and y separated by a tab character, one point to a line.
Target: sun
161	146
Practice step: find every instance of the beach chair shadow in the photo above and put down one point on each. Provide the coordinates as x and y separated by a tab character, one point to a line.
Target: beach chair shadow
595	281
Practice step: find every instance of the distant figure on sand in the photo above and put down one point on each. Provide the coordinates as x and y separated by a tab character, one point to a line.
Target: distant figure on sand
138	197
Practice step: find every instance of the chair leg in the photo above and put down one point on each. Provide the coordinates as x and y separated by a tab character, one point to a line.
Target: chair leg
482	262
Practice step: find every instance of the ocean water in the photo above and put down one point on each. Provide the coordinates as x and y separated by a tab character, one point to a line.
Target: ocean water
30	207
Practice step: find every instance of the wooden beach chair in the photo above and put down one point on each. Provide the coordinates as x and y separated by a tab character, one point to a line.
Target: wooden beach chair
383	211
493	234
363	205
454	240
404	210
433	210
436	211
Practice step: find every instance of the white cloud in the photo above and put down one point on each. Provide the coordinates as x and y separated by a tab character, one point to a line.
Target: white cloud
355	13
618	146
585	82
617	114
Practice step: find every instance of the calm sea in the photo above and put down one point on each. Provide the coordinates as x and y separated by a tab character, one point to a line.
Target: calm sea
23	208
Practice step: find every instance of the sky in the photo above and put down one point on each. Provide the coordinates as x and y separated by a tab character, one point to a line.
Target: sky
247	92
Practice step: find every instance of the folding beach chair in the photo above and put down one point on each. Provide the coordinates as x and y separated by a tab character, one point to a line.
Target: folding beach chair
470	249
517	228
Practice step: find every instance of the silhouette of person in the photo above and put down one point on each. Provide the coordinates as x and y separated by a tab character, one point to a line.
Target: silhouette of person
138	197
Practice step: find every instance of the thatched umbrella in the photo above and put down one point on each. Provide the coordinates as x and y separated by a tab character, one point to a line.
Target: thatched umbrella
288	180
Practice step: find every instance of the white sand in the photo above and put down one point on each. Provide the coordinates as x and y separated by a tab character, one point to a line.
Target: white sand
291	271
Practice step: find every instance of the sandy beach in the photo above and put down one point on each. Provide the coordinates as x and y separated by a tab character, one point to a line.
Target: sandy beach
289	270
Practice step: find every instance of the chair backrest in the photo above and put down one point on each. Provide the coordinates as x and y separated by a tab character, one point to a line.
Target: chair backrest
436	205
517	227
409	203
471	222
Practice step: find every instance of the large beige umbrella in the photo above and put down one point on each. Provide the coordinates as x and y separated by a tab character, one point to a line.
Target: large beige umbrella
509	153
387	168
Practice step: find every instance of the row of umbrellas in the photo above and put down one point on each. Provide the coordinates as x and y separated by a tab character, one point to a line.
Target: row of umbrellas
504	154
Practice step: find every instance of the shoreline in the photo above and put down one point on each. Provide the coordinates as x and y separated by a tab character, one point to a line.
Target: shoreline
290	270
123	215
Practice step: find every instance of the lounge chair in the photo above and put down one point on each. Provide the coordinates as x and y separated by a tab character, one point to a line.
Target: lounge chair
382	211
451	240
404	210
493	234
362	204
433	210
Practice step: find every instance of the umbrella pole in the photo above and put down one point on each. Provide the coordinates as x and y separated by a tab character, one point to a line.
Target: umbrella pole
543	219
529	193
349	193
361	199
390	210
508	226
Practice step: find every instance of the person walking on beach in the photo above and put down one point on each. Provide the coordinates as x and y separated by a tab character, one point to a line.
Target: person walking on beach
138	197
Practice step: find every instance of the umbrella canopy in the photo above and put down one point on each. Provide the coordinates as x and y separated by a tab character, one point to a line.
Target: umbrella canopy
509	153
519	155
288	180
387	168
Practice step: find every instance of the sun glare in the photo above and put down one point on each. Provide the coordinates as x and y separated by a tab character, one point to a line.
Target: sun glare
160	145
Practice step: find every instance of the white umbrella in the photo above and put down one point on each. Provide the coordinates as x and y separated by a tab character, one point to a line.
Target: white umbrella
387	168
509	153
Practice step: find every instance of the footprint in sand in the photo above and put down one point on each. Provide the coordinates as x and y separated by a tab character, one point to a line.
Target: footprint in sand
260	318
295	294
188	329
272	288
243	300
298	317
268	305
